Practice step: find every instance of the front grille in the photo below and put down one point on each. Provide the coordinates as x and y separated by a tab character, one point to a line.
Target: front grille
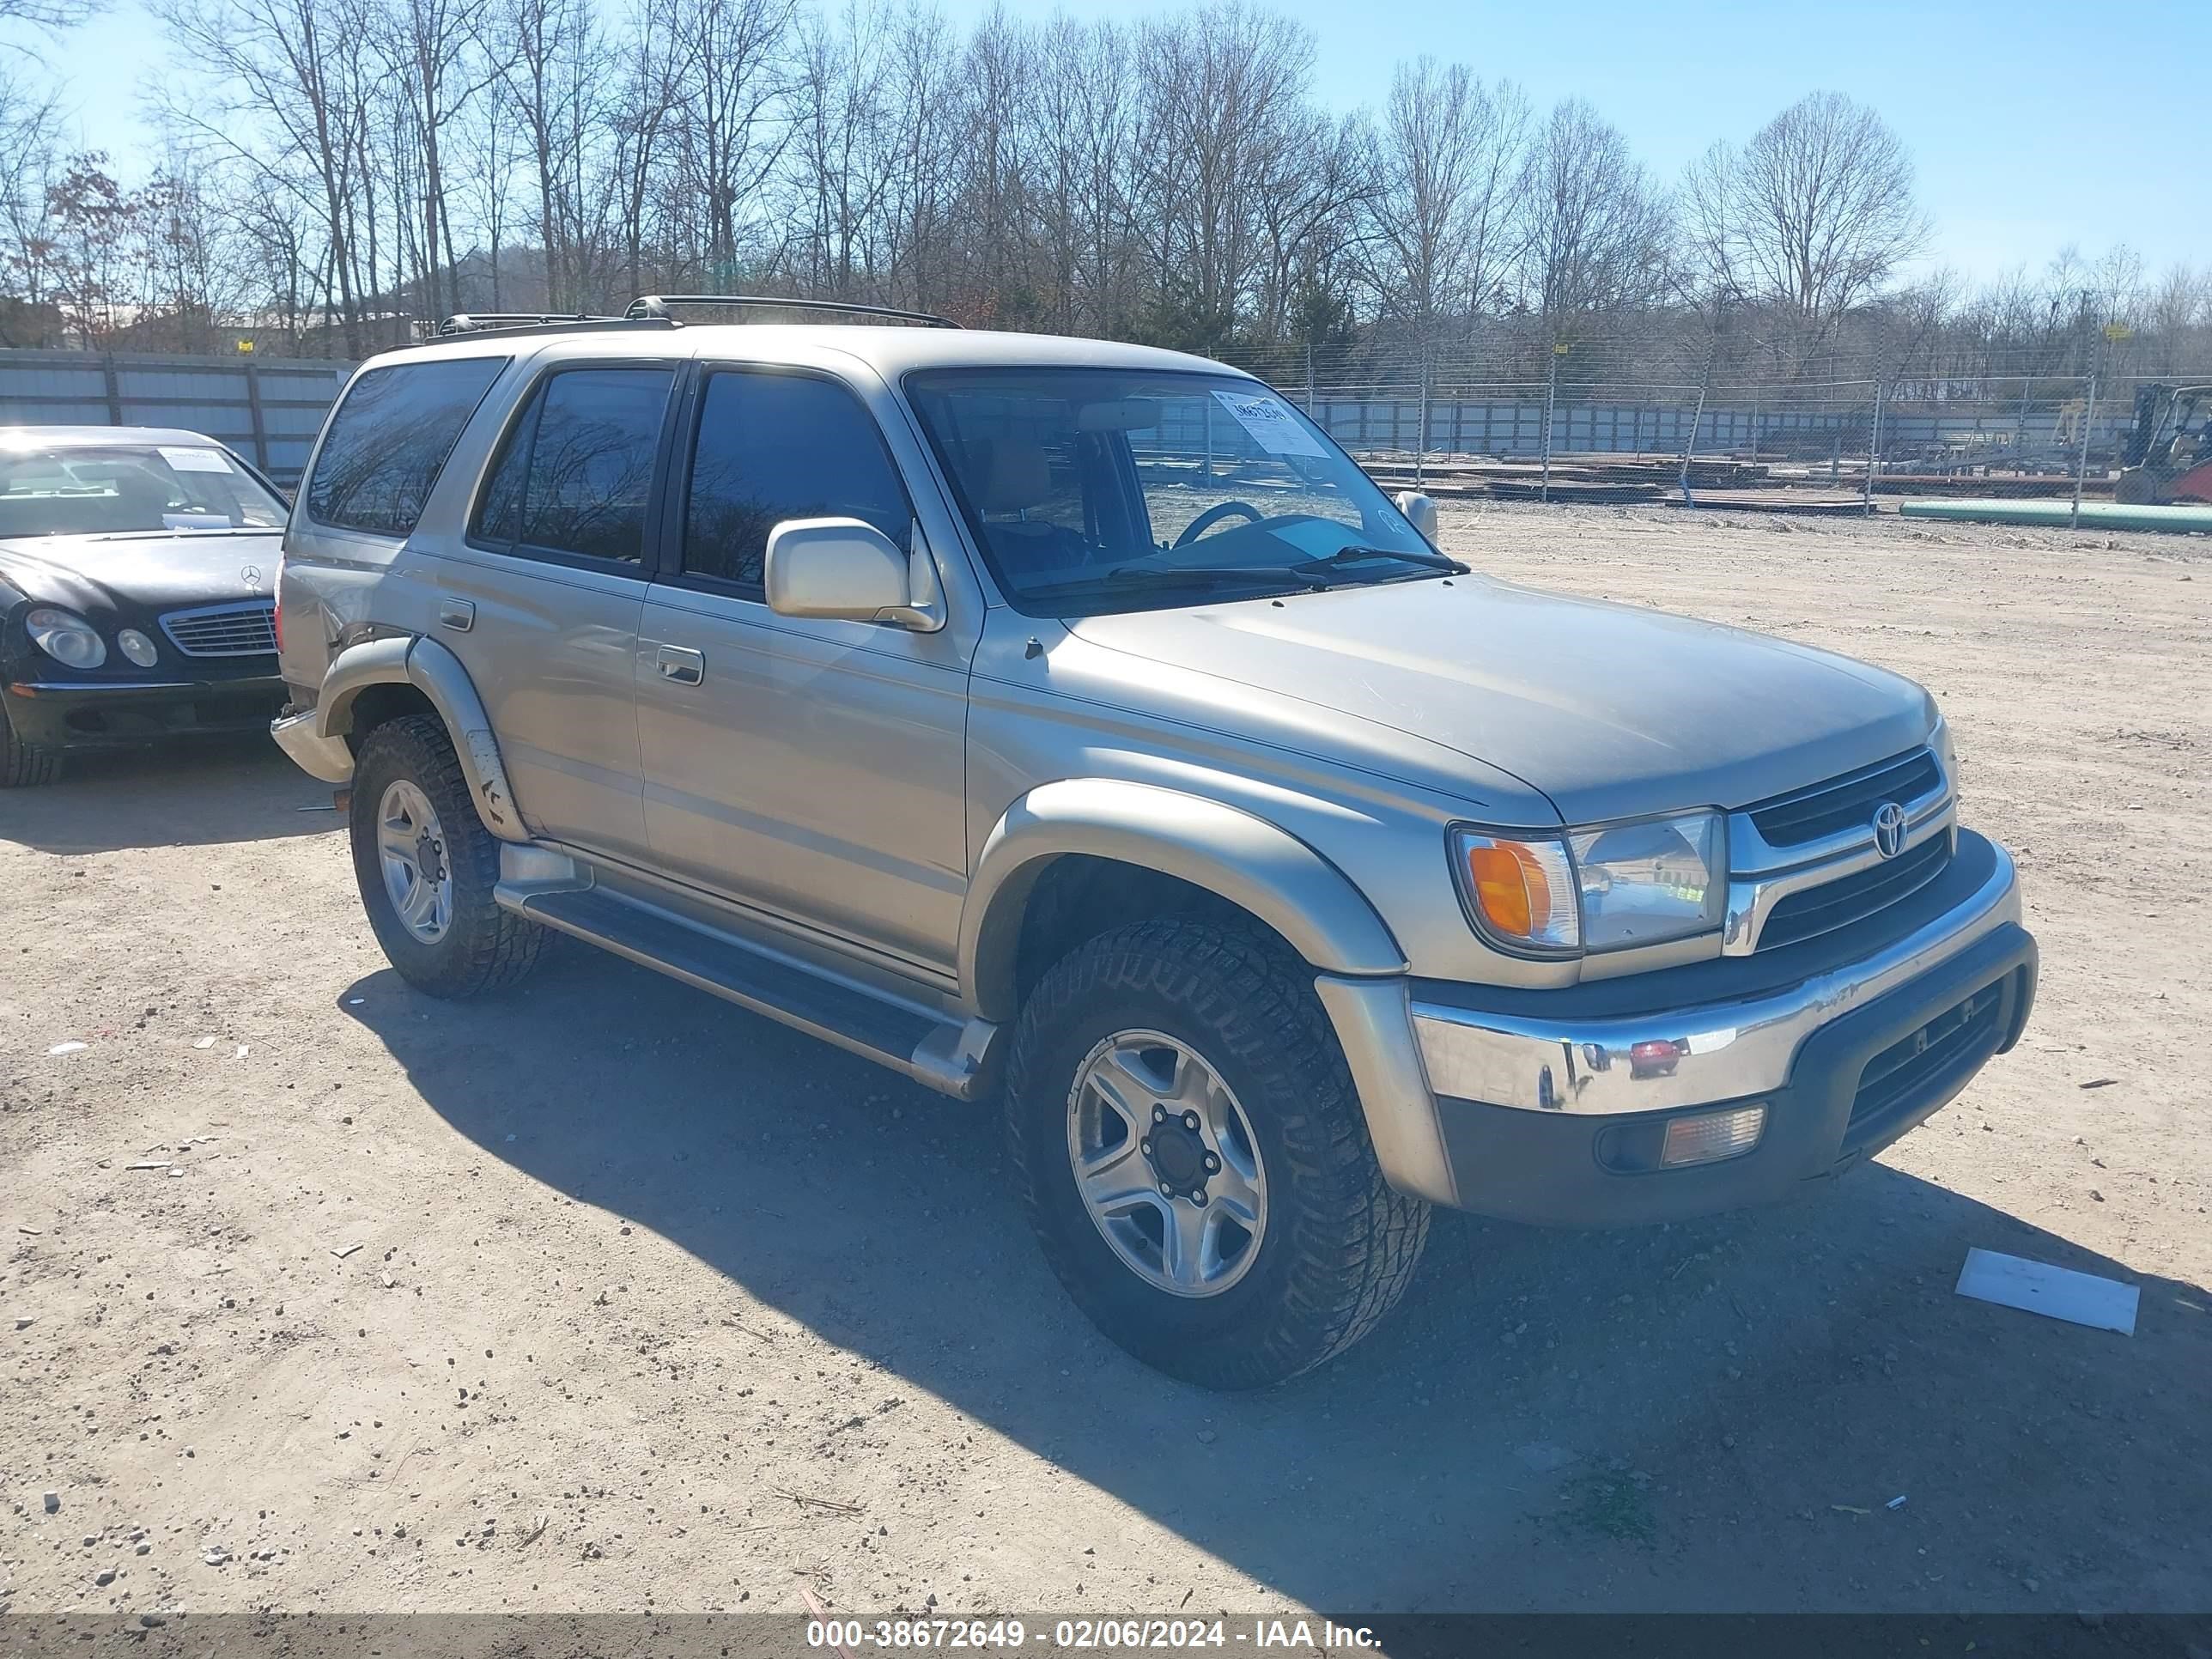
223	630
1847	802
1845	900
1907	1072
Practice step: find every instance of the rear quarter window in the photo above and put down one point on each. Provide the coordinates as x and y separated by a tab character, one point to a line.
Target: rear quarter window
390	438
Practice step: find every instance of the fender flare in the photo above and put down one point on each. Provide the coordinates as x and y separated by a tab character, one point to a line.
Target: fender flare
436	672
1251	863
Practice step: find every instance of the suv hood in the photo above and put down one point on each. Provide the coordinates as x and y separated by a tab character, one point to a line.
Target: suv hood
1610	710
140	573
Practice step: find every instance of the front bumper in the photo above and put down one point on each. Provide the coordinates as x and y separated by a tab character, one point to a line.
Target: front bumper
125	714
1550	1106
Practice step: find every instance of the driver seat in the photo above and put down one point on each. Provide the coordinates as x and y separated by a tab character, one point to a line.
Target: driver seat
1017	477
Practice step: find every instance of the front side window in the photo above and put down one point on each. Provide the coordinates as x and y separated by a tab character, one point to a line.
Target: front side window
777	447
1111	490
122	490
576	472
389	440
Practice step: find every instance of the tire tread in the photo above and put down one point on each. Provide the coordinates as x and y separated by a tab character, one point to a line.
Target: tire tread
1360	1240
25	765
496	947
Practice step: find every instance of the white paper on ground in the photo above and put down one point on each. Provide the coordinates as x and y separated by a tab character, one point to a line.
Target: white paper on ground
2012	1281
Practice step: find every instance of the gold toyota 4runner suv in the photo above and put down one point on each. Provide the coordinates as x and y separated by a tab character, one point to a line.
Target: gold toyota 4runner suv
1076	724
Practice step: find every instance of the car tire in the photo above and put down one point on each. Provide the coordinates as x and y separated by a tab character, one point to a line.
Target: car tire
24	764
458	941
1337	1246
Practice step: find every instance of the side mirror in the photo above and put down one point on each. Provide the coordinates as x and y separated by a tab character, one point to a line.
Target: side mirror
1420	512
843	568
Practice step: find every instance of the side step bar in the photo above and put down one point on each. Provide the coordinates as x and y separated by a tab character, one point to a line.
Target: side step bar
941	1054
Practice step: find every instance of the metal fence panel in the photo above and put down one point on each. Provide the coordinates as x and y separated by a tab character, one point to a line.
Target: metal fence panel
268	412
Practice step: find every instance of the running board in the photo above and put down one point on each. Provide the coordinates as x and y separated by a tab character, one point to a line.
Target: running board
941	1054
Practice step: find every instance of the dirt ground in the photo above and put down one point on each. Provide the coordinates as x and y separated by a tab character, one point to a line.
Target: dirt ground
604	1296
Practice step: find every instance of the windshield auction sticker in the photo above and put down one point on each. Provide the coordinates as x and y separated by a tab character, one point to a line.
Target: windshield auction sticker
1271	423
194	460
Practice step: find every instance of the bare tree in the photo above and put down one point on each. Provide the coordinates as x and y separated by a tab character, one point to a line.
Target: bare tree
1445	159
48	15
726	130
29	124
1220	85
2181	301
433	52
289	72
1086	118
1593	232
1813	215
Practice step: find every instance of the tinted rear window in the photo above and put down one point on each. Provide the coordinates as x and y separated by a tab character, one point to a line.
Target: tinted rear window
389	438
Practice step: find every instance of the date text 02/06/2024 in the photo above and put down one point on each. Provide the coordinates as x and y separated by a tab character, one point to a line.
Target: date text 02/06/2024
1085	1634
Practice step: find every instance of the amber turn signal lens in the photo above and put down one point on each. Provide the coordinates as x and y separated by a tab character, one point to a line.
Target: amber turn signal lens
1510	888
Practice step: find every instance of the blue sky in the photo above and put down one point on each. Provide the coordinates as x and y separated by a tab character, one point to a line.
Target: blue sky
2035	123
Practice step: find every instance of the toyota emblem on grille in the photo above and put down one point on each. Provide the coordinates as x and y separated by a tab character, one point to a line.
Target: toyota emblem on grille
1889	829
251	575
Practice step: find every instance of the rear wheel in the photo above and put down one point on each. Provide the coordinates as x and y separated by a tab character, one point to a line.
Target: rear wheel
2135	487
1196	1162
426	867
22	764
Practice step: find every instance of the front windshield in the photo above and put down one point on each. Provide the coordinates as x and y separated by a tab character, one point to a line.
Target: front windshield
1113	489
113	489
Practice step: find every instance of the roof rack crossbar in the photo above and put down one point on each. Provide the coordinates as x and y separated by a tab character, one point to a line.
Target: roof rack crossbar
472	322
656	304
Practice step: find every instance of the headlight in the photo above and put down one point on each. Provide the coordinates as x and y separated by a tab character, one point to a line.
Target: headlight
1610	889
1643	882
65	636
136	646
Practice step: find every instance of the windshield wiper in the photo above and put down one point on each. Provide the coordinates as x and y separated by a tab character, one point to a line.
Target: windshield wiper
1190	575
1195	575
1355	554
1315	575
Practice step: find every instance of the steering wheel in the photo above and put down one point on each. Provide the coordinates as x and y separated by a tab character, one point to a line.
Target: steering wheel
1213	515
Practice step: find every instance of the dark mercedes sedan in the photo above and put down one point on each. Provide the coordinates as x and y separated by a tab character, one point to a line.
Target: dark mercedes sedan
138	584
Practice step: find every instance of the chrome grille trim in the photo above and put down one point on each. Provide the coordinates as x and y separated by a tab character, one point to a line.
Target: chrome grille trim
1762	874
1805	816
244	629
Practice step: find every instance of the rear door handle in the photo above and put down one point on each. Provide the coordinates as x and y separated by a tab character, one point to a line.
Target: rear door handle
678	664
459	614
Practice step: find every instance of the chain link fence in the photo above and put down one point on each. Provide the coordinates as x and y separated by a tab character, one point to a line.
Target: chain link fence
1444	420
1432	419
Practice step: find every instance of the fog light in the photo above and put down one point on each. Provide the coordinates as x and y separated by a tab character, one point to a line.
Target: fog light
1711	1135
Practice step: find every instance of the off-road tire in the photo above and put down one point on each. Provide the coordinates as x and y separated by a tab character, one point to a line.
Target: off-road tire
1339	1246
23	764
485	948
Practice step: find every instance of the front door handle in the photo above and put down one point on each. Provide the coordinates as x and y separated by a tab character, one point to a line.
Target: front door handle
679	665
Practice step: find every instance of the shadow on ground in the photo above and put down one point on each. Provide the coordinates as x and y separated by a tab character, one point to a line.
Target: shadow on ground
191	793
1709	1417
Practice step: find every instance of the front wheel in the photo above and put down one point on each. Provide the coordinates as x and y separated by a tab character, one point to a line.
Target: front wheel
1197	1165
23	764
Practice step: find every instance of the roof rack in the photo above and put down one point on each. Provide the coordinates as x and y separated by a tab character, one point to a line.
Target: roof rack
655	306
475	322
